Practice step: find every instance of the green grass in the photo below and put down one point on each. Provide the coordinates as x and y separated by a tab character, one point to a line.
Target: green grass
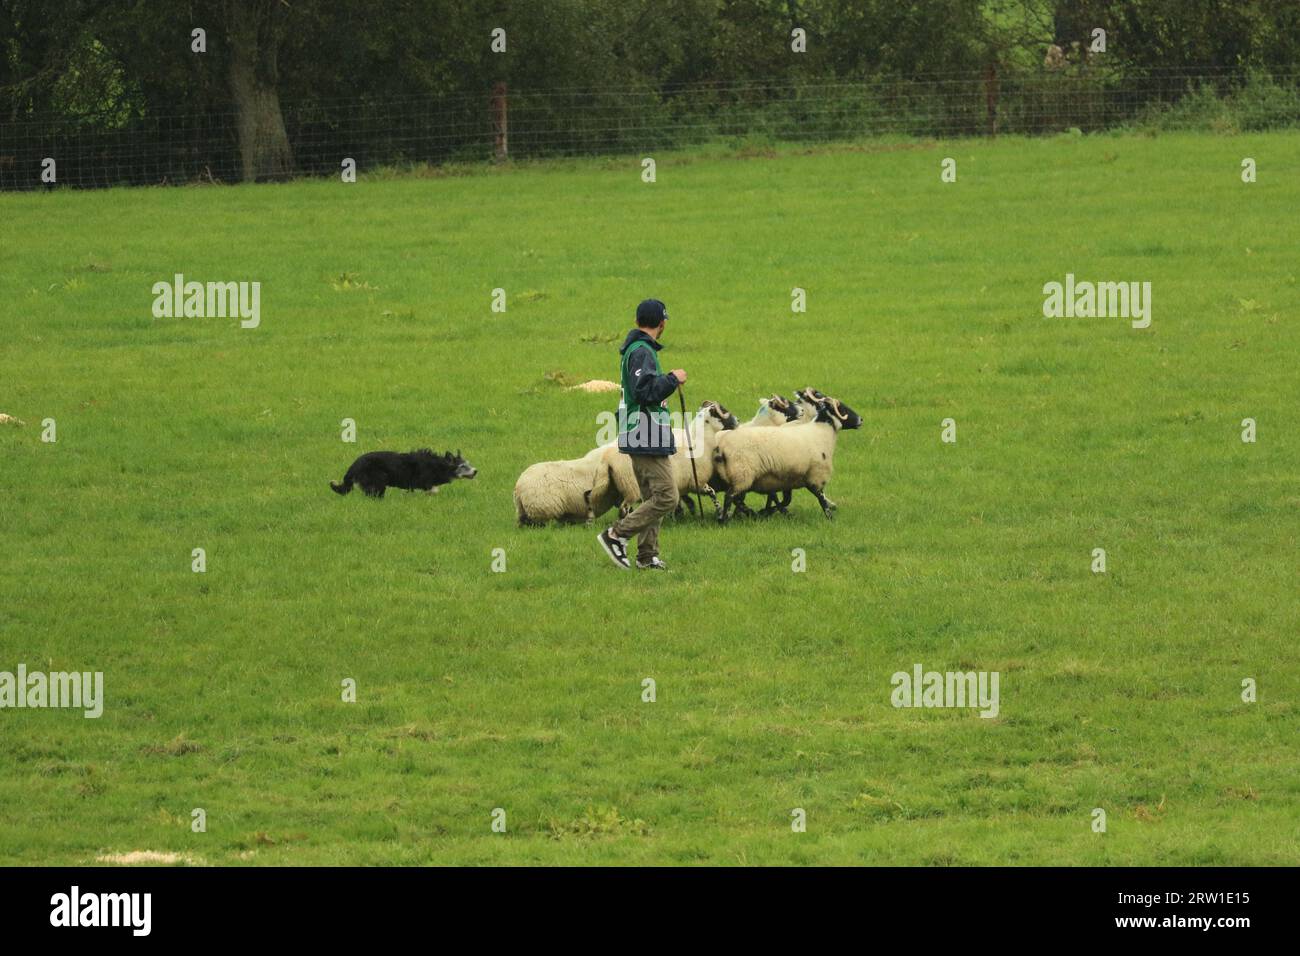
522	690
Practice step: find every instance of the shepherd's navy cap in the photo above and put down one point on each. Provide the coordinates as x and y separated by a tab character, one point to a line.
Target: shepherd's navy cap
651	312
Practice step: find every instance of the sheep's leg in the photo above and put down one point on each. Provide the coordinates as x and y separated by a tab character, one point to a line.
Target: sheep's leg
828	506
726	507
712	497
698	490
586	497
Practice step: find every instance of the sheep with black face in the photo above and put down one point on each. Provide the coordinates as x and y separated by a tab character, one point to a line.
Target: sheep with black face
782	459
773	412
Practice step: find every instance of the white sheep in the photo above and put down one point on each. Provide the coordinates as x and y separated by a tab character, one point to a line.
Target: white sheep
619	481
773	412
558	490
778	410
803	411
781	459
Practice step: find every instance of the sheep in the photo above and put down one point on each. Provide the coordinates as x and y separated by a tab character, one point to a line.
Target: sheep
611	485
805	408
708	422
558	490
802	411
773	412
782	459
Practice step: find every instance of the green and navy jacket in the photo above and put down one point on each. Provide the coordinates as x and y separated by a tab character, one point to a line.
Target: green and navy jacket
645	427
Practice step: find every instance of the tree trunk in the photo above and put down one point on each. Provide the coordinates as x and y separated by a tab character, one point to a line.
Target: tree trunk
254	29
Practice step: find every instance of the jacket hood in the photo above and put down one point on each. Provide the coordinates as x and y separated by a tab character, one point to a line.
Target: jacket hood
638	335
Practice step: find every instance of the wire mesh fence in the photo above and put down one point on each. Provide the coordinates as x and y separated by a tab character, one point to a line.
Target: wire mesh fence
148	148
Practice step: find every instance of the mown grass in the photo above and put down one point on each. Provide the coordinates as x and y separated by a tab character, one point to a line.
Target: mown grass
522	690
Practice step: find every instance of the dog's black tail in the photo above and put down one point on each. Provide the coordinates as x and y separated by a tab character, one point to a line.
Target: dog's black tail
342	488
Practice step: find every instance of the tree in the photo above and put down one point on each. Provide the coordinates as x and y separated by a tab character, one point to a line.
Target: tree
254	30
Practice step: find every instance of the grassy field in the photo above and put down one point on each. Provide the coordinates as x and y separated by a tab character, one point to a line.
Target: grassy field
522	690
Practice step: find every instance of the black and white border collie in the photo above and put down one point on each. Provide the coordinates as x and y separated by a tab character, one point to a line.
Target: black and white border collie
376	471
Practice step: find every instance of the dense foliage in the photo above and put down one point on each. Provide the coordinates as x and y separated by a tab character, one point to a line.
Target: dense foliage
290	85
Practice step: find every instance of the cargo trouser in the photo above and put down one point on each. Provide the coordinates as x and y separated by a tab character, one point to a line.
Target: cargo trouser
654	475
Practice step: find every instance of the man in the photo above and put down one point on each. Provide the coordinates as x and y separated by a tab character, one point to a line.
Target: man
646	435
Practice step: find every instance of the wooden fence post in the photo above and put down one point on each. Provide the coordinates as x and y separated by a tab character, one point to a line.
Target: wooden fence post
991	97
499	121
